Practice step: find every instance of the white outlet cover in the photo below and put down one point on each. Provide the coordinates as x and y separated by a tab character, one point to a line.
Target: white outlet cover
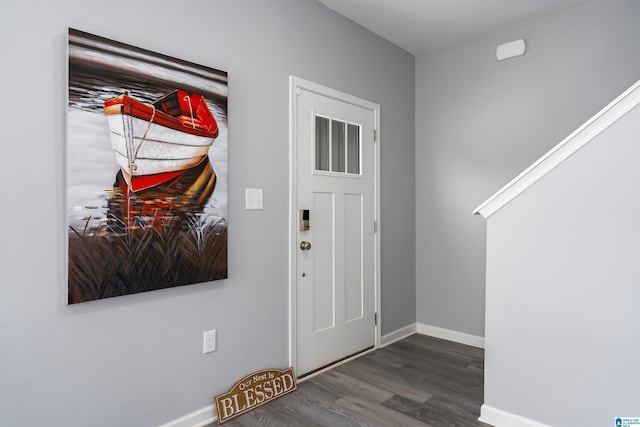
253	198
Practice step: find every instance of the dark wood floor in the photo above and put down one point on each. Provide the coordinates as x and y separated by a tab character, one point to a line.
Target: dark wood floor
418	381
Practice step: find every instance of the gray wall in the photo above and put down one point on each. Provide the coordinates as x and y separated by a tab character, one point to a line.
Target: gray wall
562	289
480	122
137	360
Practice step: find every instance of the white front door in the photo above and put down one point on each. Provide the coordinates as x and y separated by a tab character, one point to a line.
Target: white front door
335	258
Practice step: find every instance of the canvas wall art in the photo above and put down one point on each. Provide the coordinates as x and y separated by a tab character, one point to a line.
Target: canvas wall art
147	170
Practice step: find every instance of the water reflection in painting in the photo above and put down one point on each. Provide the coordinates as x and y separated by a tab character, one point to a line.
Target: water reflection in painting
147	187
163	206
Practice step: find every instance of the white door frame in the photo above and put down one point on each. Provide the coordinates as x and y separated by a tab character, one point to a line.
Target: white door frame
295	85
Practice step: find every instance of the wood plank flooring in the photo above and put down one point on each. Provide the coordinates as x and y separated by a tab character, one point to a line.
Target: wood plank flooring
418	381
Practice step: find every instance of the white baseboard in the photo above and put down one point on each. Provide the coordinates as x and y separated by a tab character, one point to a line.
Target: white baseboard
200	418
500	418
450	335
397	335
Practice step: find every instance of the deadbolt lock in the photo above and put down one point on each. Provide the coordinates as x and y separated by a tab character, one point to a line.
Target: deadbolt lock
303	219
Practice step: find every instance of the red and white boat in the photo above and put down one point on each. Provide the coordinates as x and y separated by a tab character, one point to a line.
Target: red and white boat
156	142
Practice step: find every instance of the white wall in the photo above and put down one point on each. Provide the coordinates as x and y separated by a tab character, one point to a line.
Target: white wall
562	289
137	360
480	122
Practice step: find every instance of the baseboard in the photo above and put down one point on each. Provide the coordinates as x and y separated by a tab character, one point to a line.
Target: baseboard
499	418
200	418
450	335
397	335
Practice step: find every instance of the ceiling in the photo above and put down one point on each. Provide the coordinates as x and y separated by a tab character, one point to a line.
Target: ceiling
419	26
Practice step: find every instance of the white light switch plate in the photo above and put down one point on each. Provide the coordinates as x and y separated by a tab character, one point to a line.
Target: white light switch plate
253	198
209	341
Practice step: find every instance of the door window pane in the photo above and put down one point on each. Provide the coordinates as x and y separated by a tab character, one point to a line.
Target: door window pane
337	146
322	143
353	149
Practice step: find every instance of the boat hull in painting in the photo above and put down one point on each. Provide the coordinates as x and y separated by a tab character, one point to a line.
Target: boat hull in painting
154	143
162	150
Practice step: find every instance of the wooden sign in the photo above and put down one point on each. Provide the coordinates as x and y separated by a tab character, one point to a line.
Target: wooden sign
254	390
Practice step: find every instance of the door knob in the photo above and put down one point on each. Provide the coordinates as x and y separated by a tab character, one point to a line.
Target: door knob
305	246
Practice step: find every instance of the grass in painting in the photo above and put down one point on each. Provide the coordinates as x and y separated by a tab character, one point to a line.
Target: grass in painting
108	262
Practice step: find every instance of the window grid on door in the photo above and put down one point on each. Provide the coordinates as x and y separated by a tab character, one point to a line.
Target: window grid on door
337	146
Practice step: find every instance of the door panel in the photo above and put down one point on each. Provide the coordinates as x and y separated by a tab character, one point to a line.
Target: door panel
323	266
335	276
354	296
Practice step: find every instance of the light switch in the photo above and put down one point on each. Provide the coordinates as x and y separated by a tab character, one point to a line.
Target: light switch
209	341
253	198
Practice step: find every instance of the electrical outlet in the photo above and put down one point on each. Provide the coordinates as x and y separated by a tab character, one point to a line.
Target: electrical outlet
209	341
253	198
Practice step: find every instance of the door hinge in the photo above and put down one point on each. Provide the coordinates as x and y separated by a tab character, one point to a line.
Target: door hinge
375	226
375	319
375	135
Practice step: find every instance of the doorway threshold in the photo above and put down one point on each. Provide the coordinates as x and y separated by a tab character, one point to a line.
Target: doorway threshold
329	366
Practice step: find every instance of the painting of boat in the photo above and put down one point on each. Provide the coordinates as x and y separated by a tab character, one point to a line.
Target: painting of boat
156	142
147	170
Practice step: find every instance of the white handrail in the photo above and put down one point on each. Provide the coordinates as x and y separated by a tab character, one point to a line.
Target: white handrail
580	137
